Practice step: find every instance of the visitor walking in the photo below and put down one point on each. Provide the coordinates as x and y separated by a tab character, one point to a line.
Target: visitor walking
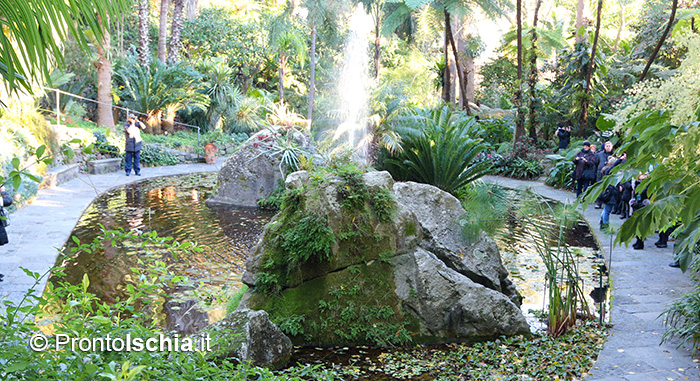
584	172
132	129
564	135
625	197
6	201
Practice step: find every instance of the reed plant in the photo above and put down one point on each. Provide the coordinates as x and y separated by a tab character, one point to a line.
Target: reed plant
545	224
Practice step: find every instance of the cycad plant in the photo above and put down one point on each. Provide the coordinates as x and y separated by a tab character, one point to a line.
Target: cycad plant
438	147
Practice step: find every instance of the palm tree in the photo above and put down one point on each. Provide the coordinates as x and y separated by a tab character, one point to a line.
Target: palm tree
491	8
532	79
176	31
288	42
163	29
36	27
104	77
320	12
519	120
220	89
144	38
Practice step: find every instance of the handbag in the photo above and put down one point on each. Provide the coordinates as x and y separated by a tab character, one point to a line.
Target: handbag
4	217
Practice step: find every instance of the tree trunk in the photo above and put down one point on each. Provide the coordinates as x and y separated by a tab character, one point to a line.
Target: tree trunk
448	93
468	69
175	43
580	17
104	79
191	9
619	28
163	29
519	120
585	101
312	75
153	123
283	63
144	38
168	124
460	73
376	48
532	80
674	7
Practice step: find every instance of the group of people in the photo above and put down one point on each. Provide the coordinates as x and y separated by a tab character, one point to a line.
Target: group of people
624	198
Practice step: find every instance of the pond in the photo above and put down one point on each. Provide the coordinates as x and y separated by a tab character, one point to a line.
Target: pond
175	206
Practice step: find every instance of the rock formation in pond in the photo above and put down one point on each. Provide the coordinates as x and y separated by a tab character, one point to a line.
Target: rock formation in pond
248	336
253	171
355	258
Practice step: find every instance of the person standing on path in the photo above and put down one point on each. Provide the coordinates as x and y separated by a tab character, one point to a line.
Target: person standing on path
6	201
584	173
564	135
132	129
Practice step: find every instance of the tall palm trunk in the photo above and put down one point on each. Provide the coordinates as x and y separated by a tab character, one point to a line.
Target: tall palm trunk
163	29
448	93
378	15
674	7
191	9
144	38
620	27
532	80
519	119
104	79
312	74
283	64
460	72
586	101
580	16
176	31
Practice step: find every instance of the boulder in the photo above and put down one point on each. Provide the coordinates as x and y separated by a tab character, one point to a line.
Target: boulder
449	305
368	279
252	172
439	214
248	336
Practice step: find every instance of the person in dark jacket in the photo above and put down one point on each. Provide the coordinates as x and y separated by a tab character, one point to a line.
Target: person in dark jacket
610	197
584	173
625	197
640	200
132	129
564	135
6	201
601	159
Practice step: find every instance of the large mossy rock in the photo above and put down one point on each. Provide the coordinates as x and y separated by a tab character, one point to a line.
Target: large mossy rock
248	336
355	259
253	171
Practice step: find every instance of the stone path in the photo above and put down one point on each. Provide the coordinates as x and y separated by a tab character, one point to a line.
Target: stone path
39	229
642	286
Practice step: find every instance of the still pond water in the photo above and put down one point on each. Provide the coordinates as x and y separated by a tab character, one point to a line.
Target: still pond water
175	206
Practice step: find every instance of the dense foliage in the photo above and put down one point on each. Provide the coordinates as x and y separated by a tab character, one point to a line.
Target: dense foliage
438	148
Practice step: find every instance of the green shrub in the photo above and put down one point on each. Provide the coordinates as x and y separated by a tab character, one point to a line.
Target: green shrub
496	131
152	156
103	146
560	176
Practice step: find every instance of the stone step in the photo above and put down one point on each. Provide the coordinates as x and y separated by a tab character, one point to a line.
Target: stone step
59	175
96	167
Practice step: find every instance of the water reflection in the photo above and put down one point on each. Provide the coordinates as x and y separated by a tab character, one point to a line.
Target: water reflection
175	207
